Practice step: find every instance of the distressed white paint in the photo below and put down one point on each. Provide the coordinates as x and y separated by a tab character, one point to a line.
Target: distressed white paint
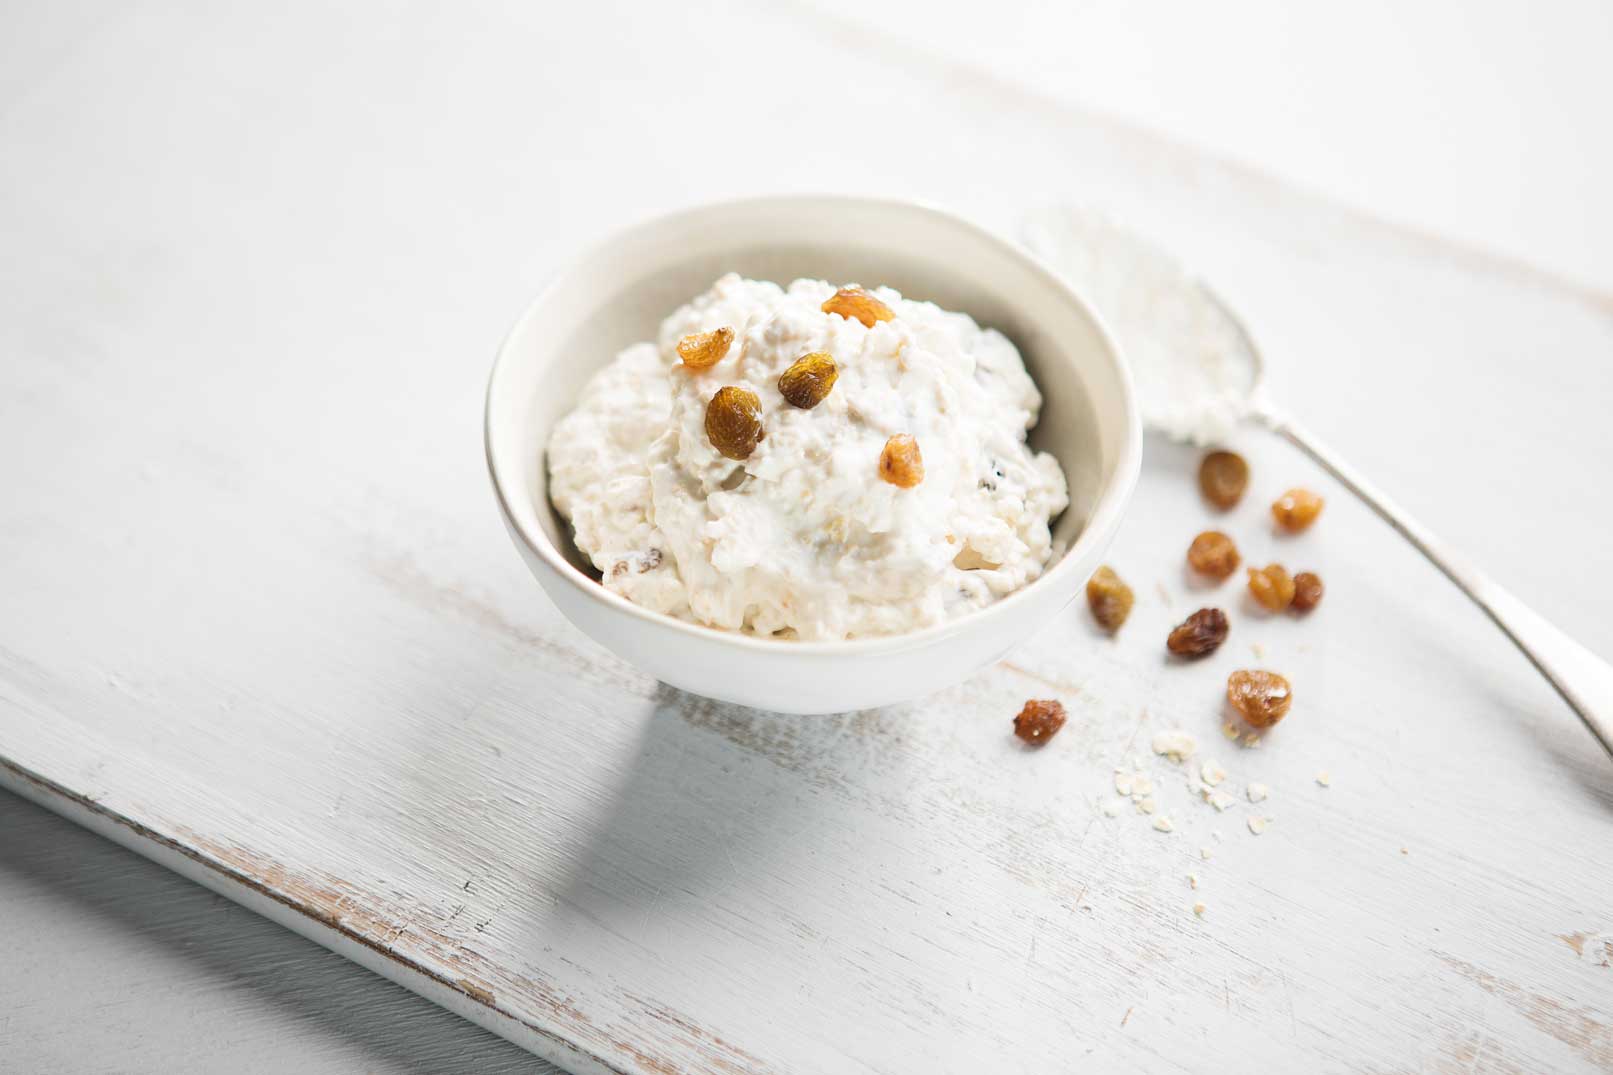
261	622
114	964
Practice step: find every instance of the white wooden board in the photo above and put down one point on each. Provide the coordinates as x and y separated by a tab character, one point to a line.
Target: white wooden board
261	622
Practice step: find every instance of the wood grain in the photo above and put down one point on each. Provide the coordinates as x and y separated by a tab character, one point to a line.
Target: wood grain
262	624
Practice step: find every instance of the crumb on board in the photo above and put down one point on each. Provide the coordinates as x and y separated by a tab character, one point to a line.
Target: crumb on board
1324	778
1192	880
1163	824
1198	909
1257	825
1230	730
1146	805
1204	853
1111	807
1212	773
1257	792
1122	783
1176	745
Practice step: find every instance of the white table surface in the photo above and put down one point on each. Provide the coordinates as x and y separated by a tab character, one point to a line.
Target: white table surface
117	121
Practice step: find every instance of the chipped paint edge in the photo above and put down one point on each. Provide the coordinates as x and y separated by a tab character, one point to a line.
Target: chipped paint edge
463	999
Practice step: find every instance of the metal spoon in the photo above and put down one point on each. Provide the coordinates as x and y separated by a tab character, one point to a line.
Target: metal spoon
1144	284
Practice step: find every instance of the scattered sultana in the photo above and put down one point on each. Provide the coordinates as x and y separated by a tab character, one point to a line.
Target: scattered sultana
1223	476
1307	591
705	349
734	422
1296	509
1213	553
1109	598
854	302
1262	698
1199	635
1039	721
808	380
1272	587
900	462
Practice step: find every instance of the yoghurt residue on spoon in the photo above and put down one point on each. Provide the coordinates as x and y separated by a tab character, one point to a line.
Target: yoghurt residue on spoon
1194	369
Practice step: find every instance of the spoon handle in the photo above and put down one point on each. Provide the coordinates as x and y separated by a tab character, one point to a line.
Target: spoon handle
1584	680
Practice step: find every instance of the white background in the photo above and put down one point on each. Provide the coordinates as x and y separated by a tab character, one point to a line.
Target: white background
1485	122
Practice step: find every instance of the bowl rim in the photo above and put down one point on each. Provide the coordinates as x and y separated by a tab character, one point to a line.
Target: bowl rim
1106	511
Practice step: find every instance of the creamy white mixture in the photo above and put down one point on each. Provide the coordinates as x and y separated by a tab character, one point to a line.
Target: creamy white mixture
803	539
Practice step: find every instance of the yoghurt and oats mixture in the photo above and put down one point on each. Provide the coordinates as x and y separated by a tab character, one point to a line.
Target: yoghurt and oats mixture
811	463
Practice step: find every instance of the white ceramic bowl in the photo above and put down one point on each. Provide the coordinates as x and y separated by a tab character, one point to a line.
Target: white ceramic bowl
618	293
